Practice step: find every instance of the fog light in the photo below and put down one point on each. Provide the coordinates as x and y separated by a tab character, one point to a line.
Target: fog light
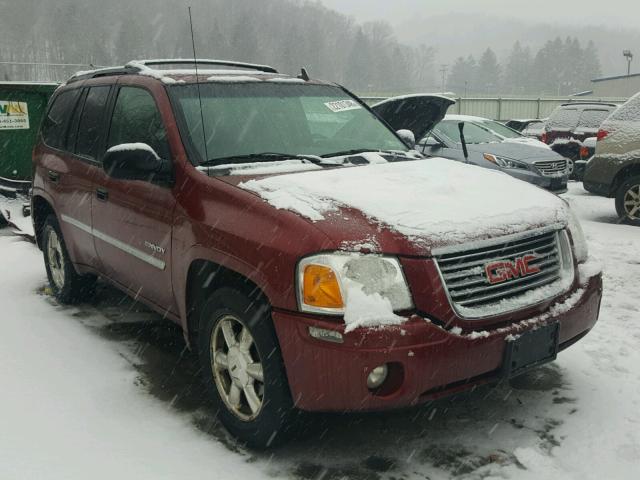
377	377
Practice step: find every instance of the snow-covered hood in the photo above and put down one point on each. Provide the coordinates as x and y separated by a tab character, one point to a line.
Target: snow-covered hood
528	141
426	203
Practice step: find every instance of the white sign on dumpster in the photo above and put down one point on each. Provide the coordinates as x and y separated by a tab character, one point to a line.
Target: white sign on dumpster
14	115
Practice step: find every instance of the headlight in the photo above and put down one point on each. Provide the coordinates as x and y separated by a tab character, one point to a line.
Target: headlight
505	162
579	243
335	283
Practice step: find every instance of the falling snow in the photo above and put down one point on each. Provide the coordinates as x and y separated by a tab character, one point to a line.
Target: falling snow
107	390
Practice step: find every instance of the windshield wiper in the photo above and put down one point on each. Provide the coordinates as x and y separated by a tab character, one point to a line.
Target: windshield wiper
346	153
265	157
354	151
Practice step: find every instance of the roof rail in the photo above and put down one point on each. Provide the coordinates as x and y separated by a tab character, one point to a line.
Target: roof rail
585	102
103	72
191	61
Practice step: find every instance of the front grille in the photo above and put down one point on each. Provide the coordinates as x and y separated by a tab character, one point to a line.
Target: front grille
466	279
552	168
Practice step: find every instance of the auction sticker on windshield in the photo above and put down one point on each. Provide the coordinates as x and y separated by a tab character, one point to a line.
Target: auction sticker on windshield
343	105
13	115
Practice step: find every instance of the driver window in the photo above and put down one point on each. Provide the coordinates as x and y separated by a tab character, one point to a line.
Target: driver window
136	119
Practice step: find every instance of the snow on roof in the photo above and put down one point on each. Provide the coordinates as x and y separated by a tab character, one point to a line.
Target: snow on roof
244	72
203	61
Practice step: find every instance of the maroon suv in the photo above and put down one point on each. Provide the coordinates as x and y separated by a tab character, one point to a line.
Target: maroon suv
571	124
314	261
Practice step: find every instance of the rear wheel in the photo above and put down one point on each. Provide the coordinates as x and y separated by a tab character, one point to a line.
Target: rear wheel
628	201
243	368
66	284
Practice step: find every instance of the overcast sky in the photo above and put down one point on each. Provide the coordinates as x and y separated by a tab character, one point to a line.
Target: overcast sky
611	13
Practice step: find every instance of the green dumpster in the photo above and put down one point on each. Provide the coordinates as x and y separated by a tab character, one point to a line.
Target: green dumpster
22	106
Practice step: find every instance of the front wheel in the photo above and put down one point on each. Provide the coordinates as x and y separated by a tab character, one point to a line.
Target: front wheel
628	201
67	285
243	369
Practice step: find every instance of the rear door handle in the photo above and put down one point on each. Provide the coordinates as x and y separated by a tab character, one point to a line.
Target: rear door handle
102	194
53	176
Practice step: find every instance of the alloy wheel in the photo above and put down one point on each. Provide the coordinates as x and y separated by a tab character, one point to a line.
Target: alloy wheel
237	368
632	202
56	260
570	167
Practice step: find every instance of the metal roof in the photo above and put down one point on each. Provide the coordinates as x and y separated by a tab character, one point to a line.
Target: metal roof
617	77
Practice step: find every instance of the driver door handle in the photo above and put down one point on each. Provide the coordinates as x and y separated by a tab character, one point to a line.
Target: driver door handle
102	194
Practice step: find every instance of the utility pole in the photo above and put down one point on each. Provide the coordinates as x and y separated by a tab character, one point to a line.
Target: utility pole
629	56
443	70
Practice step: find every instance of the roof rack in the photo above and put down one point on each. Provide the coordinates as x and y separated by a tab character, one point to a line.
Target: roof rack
138	66
103	72
191	61
584	102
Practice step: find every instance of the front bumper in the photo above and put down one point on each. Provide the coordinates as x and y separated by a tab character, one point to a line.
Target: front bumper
556	184
427	360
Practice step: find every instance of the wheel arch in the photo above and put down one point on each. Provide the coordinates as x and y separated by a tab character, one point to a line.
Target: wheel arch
41	208
205	276
625	172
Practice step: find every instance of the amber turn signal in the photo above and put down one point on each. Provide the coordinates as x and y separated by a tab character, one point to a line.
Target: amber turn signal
320	287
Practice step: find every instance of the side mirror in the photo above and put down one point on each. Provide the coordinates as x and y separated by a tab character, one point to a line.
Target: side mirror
432	142
135	161
407	137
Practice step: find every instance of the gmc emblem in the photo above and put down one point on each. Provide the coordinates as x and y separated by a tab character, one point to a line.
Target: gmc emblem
503	270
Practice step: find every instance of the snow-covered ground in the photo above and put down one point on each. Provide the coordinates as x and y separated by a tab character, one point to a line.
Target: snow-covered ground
107	390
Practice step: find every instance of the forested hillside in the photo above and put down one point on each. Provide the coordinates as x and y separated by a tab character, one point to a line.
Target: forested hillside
287	34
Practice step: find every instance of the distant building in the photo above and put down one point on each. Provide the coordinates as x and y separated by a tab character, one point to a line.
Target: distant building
620	86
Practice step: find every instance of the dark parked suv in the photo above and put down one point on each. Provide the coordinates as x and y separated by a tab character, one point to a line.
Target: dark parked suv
572	123
313	261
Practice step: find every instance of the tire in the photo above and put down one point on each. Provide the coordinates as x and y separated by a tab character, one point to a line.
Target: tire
628	201
255	403
66	284
570	168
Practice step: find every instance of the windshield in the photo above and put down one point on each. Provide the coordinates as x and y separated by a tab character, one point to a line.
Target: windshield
500	129
472	133
242	119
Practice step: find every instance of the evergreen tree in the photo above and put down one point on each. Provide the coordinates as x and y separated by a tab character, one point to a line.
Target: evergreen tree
488	79
463	76
516	78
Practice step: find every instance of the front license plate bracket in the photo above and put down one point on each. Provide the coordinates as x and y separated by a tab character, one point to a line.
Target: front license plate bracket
531	349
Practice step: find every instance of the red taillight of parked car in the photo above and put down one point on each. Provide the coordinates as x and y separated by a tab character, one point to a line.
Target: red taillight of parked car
543	137
584	153
602	134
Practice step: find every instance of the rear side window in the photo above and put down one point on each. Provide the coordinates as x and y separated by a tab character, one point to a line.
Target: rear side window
136	119
55	124
91	121
563	119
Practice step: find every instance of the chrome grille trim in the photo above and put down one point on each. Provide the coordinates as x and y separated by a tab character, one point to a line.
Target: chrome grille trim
463	271
551	168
